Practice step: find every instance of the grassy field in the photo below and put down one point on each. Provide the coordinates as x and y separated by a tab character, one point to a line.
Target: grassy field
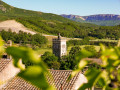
105	40
82	46
50	37
41	51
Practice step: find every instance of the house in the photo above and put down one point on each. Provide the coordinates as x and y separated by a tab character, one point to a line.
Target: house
9	80
7	71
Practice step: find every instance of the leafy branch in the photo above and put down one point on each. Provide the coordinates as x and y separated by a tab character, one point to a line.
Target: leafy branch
34	74
109	74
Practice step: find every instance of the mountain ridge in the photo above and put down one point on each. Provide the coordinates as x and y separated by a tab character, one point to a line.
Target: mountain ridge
96	19
45	23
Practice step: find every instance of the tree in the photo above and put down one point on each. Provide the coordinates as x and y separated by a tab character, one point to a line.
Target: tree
34	74
55	65
108	76
74	50
69	62
23	38
91	49
38	39
51	60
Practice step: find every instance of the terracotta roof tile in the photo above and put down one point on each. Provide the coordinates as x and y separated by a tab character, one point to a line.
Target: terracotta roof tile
3	64
59	77
18	83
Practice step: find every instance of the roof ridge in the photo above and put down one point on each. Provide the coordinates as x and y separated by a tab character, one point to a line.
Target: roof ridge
77	76
59	70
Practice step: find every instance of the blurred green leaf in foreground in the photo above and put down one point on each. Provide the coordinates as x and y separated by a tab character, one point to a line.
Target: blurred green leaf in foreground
35	74
1	47
108	76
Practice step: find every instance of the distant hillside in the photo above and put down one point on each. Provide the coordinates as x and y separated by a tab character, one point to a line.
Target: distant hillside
45	22
14	26
100	19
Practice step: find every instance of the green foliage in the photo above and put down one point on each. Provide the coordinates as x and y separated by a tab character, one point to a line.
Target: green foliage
69	62
51	60
91	49
23	38
92	79
34	74
64	65
108	77
74	50
53	24
87	41
55	65
38	39
84	41
111	32
106	42
55	27
46	22
1	47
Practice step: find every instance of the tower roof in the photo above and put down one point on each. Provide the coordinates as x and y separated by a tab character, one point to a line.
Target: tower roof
59	36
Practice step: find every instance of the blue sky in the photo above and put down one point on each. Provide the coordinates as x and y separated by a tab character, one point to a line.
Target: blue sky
76	7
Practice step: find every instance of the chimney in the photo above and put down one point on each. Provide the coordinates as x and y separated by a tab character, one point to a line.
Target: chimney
61	86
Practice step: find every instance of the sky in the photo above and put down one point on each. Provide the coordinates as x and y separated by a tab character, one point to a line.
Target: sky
75	7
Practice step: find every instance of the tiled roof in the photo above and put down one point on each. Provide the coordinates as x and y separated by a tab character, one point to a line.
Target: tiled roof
18	83
59	78
3	64
94	60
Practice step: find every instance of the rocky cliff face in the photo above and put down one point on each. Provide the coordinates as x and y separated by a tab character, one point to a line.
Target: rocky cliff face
2	6
100	19
72	16
94	17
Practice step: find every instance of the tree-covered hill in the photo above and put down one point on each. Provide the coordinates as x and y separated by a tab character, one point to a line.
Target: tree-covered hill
45	22
53	24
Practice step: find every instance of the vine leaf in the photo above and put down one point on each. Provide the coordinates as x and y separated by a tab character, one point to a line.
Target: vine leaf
82	62
1	46
92	76
26	54
34	74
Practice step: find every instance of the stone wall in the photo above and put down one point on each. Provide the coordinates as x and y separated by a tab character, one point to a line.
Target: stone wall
80	80
8	73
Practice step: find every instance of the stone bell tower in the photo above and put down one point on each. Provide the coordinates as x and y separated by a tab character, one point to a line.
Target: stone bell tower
59	46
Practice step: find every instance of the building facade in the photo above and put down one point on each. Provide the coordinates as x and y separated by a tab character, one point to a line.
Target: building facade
59	46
